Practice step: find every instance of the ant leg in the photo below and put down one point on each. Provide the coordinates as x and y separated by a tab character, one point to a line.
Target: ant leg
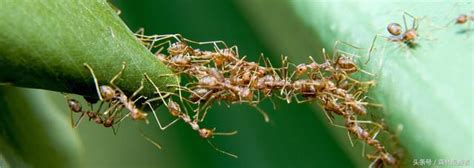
207	105
221	151
115	105
138	90
350	138
271	67
140	97
335	50
374	162
114	130
301	101
123	118
156	144
236	50
156	88
124	65
208	42
225	133
76	124
414	23
169	75
95	81
372	47
222	134
158	121
261	111
368	122
140	32
331	120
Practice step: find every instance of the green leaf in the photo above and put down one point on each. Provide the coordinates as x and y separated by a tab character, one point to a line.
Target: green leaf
34	133
427	90
44	44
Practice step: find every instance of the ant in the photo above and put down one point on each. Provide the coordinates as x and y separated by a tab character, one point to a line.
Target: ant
113	94
175	110
463	19
98	117
397	34
406	37
76	107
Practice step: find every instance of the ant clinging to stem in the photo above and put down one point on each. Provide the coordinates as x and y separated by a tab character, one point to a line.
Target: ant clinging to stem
113	94
175	110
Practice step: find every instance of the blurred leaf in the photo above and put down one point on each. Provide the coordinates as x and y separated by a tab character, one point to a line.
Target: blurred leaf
33	133
44	44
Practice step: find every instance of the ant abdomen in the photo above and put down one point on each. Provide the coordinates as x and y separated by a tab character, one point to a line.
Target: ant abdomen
394	29
107	92
74	105
462	19
109	122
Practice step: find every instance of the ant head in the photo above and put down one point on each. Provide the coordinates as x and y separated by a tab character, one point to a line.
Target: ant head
246	93
109	122
91	114
198	94
260	71
462	19
314	66
410	35
178	48
74	105
180	60
160	56
346	62
107	92
174	108
206	133
394	29
247	76
389	159
139	115
219	60
98	120
301	69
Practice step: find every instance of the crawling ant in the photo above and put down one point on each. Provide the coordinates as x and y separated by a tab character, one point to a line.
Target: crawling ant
465	19
76	107
462	19
176	111
397	34
406	37
113	94
97	116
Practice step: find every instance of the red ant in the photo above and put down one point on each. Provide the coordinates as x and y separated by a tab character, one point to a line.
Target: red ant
113	94
175	110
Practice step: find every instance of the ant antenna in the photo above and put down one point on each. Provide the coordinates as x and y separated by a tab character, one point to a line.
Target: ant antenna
156	144
221	151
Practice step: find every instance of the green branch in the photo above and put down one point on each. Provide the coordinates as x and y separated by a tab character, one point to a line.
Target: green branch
44	44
